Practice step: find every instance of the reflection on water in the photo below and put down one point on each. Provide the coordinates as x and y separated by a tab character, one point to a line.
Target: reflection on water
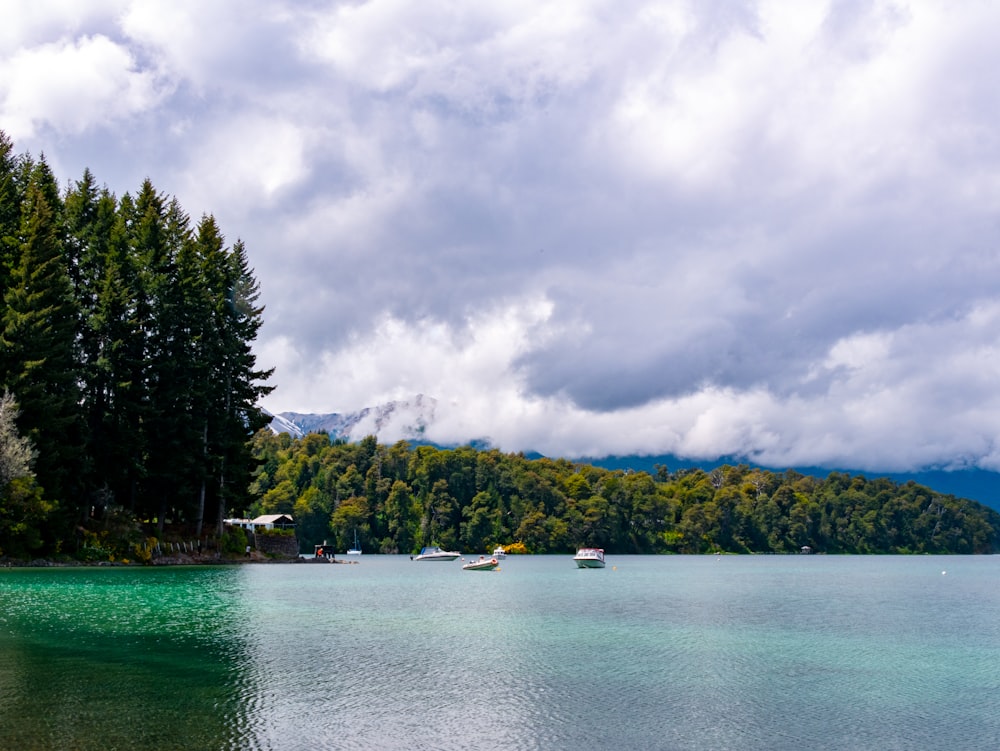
122	658
667	653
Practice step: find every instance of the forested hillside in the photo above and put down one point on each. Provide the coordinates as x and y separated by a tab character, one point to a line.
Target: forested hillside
401	497
126	372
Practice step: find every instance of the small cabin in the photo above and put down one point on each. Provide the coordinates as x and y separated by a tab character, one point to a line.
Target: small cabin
273	521
268	521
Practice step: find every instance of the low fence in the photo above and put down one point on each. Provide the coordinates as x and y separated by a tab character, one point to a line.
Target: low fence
193	547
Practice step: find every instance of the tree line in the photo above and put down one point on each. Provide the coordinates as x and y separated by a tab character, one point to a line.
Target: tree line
126	372
401	497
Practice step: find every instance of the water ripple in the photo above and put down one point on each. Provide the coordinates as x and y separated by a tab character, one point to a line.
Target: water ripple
665	653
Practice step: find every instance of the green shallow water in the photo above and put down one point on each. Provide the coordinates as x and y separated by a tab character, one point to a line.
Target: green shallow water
649	653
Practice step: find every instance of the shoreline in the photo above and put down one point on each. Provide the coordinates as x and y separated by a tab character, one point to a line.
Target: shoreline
173	560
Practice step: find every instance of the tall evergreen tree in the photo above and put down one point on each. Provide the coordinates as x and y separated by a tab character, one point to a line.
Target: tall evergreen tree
240	381
158	237
38	176
90	214
39	353
115	397
200	282
10	211
90	218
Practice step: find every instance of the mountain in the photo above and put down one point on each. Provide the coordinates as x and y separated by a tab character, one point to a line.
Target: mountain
390	422
409	419
284	423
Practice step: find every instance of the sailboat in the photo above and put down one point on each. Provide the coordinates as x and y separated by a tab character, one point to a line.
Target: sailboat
356	550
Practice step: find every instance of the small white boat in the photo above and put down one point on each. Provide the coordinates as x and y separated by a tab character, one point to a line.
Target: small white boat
356	550
434	553
483	564
499	553
589	558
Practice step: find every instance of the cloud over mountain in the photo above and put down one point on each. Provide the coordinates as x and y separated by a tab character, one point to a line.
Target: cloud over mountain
701	228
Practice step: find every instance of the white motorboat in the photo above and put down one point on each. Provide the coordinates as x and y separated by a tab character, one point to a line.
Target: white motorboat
434	553
499	553
589	558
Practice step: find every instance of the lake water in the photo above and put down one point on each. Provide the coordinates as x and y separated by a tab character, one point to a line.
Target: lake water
670	652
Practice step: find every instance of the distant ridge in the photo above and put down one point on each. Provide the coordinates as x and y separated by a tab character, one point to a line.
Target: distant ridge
409	419
972	484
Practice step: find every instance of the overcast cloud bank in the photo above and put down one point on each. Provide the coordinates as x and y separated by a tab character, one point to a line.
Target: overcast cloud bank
759	229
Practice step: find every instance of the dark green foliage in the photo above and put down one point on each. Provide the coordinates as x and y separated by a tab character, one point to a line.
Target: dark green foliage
236	383
233	541
24	516
125	338
39	358
473	500
115	396
10	211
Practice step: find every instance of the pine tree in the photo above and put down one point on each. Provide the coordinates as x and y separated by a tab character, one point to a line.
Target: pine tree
10	211
115	397
200	283
38	346
90	217
242	384
158	237
90	214
219	305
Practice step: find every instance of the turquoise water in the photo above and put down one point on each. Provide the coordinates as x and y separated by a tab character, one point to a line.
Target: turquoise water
732	652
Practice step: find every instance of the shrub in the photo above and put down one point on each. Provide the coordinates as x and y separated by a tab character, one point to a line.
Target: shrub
234	541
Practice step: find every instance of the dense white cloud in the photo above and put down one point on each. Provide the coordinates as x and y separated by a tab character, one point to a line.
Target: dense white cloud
71	85
40	22
763	229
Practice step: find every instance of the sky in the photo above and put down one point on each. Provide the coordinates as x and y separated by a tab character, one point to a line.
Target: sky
706	228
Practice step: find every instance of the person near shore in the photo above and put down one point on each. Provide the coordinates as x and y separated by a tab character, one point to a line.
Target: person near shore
248	551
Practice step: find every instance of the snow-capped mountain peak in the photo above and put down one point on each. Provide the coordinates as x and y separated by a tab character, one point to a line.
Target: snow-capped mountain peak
389	422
